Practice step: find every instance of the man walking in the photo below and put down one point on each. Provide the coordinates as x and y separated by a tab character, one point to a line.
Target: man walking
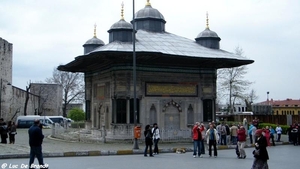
35	142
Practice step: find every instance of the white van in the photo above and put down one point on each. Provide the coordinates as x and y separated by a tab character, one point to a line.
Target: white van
57	119
27	121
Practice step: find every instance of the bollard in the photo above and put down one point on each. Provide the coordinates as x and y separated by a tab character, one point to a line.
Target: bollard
103	134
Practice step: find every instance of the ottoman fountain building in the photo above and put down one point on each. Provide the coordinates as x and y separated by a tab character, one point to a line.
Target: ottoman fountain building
175	76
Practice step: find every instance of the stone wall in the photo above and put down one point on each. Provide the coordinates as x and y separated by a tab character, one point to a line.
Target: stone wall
6	49
50	98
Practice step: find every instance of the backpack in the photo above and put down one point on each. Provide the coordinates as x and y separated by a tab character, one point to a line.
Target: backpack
227	130
223	130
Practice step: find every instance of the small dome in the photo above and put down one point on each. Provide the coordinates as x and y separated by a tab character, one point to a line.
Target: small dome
207	33
94	41
121	24
149	12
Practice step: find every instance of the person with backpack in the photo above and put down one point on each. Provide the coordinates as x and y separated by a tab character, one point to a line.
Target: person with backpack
148	140
156	137
223	134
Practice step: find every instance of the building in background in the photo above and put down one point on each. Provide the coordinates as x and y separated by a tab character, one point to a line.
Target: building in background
278	107
42	98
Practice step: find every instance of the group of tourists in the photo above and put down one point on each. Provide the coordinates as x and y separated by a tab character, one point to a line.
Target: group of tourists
7	130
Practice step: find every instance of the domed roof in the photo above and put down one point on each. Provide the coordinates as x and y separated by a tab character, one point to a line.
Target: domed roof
121	24
94	41
149	12
207	33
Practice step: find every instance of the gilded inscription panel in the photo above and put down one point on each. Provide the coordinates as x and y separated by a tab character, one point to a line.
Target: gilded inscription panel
171	89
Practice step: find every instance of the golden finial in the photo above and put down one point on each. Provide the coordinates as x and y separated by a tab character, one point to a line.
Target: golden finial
95	26
148	3
207	24
122	11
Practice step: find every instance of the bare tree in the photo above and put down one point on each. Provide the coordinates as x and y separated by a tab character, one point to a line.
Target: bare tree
232	83
73	87
249	99
26	99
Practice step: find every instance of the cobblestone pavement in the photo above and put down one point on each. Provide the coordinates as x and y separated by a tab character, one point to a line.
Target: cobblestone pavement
56	147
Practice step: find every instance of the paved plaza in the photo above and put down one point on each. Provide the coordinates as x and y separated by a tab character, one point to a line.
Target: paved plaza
104	155
281	157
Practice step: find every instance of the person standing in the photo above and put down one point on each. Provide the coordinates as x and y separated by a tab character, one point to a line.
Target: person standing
294	133
278	130
233	131
242	141
267	135
272	135
253	133
35	142
260	153
255	122
212	139
223	134
3	131
12	130
196	138
203	132
148	140
156	137
250	133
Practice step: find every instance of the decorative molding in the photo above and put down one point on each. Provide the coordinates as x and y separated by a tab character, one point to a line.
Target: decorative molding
173	103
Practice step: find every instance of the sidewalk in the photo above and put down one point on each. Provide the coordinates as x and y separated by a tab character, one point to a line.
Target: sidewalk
59	148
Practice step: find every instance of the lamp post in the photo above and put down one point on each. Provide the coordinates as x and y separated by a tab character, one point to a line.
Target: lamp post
268	102
135	142
1	88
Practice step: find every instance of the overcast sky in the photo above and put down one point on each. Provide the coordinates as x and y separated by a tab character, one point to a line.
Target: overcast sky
46	34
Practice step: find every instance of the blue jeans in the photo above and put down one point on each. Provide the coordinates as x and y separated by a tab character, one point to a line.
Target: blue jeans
234	140
223	140
202	147
197	146
146	150
156	146
36	152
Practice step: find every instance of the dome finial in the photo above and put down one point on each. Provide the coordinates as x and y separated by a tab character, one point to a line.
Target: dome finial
148	3
207	24
95	27
122	10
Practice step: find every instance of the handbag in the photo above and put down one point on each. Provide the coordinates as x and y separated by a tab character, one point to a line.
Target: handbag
256	152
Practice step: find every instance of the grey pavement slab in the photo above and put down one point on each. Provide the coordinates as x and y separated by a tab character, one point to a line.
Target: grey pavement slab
281	157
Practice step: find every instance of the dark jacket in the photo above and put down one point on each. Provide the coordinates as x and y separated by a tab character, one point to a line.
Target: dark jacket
262	147
35	136
148	140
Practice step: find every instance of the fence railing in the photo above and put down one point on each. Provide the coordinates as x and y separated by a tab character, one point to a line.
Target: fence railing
115	135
